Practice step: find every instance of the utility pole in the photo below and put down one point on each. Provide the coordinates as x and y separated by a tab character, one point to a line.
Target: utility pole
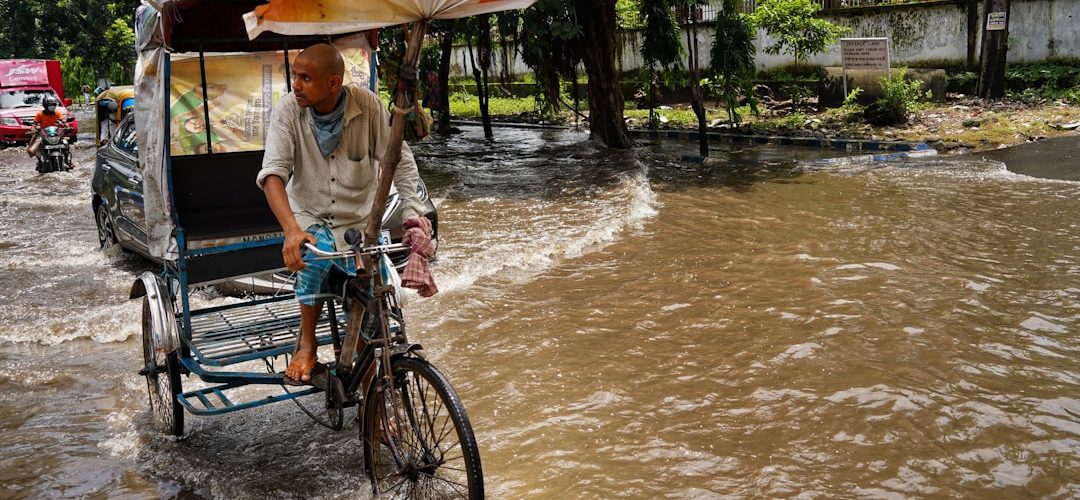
995	46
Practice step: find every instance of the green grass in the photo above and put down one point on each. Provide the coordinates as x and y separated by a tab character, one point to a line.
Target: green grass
466	105
679	117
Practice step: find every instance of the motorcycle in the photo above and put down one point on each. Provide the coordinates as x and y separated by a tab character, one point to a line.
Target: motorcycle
55	152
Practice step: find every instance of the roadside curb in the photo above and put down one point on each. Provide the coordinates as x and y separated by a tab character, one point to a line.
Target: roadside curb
901	149
814	142
496	124
861	159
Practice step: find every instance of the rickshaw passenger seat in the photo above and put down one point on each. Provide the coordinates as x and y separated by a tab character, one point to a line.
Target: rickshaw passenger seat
215	197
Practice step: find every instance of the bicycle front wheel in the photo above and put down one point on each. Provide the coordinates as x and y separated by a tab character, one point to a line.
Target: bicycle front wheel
418	442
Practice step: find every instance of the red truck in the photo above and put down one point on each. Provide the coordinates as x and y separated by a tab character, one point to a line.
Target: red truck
23	85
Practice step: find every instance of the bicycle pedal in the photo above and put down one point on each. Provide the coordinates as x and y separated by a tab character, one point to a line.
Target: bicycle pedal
320	376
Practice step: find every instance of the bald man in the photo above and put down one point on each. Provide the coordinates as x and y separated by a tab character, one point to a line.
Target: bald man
319	174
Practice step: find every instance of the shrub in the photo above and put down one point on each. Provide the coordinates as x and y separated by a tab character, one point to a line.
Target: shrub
899	98
851	110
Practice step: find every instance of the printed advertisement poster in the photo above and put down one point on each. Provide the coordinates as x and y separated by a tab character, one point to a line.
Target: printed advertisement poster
241	90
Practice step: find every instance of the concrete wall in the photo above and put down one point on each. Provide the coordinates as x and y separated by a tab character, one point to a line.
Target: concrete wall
1044	28
935	32
918	32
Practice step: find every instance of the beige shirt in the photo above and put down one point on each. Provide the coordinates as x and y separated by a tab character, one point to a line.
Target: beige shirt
337	190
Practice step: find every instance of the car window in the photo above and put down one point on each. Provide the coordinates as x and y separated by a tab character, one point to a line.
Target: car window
118	137
27	98
125	138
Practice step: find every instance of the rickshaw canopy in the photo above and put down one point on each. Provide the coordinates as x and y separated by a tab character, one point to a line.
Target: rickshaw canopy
200	128
331	17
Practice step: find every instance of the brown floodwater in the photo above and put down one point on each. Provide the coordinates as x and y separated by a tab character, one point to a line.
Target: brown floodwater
618	324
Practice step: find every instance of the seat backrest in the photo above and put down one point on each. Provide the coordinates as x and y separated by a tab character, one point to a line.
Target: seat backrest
219	205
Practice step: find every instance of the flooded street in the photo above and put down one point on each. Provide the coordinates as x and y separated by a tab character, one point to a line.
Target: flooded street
618	324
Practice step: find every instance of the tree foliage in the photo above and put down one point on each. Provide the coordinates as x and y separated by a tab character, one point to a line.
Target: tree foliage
731	65
660	43
628	13
92	38
550	45
794	28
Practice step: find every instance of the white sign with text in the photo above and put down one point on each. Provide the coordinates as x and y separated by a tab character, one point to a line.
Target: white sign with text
865	53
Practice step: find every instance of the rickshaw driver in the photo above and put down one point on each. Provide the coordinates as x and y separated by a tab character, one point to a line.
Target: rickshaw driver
319	174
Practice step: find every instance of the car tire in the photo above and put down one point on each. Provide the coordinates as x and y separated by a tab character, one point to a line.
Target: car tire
106	234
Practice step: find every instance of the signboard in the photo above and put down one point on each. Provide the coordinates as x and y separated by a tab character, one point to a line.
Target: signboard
995	21
241	90
865	53
16	72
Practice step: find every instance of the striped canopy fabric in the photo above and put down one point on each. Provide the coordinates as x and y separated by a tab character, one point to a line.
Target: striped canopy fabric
331	17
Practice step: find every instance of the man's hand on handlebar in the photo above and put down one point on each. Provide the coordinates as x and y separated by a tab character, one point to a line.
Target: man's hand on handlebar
291	251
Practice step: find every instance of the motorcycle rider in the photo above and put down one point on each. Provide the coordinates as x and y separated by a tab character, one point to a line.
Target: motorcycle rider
47	117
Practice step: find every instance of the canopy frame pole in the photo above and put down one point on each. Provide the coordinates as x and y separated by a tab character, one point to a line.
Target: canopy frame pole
404	94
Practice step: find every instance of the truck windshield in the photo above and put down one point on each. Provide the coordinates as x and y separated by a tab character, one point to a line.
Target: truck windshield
28	98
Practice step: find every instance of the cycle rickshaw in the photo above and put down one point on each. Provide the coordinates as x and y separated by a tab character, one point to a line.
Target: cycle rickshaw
207	75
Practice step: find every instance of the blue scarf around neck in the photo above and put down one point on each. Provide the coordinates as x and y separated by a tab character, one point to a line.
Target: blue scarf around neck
327	128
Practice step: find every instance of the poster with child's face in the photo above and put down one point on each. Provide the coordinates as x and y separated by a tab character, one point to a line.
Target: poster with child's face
241	90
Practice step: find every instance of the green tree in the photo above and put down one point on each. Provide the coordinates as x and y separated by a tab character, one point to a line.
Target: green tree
628	13
794	28
732	59
479	29
660	50
444	31
92	38
690	11
507	22
550	39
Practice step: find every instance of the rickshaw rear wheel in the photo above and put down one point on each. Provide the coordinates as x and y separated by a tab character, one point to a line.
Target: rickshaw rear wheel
418	441
162	379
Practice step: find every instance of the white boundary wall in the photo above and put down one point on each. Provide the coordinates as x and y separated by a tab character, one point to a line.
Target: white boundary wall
927	32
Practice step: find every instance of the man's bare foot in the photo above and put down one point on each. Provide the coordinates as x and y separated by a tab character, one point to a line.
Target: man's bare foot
301	365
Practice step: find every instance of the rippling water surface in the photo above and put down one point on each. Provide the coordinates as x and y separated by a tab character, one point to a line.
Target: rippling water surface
618	324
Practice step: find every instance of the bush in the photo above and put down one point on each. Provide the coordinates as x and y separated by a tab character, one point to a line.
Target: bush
899	98
851	110
1039	82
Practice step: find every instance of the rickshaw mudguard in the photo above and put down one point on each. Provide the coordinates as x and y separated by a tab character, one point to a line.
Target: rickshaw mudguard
403	349
162	315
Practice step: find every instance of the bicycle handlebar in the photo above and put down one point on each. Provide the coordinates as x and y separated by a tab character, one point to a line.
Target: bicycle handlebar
373	250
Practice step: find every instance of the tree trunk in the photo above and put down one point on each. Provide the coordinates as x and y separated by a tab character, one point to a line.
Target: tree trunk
504	72
447	47
483	46
995	47
577	94
606	121
697	100
972	34
480	91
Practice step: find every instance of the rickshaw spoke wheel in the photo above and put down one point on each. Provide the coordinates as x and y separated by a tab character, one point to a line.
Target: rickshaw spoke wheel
418	442
162	379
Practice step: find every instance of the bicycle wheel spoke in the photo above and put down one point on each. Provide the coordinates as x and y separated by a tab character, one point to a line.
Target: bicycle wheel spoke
433	452
457	486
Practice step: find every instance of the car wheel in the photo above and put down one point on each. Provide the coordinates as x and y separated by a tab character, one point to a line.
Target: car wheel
106	235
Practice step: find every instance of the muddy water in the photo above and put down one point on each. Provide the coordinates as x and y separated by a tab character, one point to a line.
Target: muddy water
619	325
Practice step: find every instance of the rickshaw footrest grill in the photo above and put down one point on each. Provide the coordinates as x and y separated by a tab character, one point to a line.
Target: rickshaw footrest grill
247	331
214	401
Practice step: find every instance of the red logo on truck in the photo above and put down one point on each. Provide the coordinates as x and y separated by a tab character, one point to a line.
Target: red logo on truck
23	72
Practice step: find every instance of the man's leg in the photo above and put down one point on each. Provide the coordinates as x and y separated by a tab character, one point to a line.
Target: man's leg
304	356
308	286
